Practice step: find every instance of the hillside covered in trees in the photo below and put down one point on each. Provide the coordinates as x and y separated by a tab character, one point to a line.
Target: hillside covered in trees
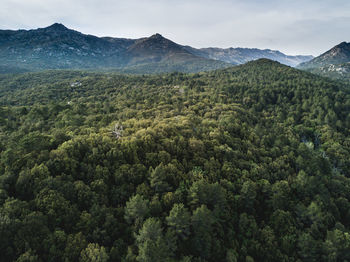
249	163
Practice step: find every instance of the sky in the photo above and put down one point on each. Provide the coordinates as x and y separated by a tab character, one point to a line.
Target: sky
291	26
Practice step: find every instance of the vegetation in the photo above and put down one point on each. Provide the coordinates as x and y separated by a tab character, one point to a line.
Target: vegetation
336	72
249	163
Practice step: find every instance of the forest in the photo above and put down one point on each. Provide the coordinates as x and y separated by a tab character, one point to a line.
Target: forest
249	163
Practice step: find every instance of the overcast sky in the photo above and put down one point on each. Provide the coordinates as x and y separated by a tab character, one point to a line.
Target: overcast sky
291	26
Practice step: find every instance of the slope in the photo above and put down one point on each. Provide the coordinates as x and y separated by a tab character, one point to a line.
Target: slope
337	55
57	47
249	163
334	63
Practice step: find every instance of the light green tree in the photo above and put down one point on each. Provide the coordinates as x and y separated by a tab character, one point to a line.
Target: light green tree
179	220
94	253
151	243
136	209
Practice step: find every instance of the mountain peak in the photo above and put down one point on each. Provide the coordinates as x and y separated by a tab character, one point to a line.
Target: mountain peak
57	27
343	44
156	36
155	42
341	47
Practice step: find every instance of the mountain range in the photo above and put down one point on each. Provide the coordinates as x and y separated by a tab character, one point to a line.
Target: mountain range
57	47
243	55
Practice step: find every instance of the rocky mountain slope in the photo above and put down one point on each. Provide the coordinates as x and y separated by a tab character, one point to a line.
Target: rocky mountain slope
334	63
337	55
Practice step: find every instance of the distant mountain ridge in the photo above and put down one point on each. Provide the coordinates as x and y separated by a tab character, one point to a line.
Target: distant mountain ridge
243	55
57	47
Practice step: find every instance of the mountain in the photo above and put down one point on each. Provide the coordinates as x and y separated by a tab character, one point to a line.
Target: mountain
337	55
156	49
158	54
243	55
57	47
334	63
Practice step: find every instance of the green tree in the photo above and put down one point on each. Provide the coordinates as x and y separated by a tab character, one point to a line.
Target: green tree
202	221
337	245
179	220
75	244
94	253
204	193
151	243
28	256
159	177
136	209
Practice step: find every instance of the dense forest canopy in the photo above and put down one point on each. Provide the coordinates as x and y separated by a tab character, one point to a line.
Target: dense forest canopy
249	163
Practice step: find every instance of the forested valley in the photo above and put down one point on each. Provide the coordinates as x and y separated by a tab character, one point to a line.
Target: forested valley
249	163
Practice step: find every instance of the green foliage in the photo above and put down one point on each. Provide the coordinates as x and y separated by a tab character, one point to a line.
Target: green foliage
93	253
151	243
202	221
136	209
244	164
28	256
179	220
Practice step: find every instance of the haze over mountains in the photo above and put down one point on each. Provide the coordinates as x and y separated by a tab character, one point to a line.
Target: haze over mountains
57	47
243	55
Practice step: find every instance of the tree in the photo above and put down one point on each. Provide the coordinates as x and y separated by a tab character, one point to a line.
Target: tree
210	195
57	208
179	220
202	221
56	243
136	209
281	195
248	194
94	253
75	244
28	256
158	179
151	243
337	245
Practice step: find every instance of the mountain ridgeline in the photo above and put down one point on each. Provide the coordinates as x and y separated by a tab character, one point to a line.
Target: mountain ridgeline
57	47
249	163
244	55
334	63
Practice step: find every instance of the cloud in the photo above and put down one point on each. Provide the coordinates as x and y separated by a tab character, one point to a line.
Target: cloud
296	27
